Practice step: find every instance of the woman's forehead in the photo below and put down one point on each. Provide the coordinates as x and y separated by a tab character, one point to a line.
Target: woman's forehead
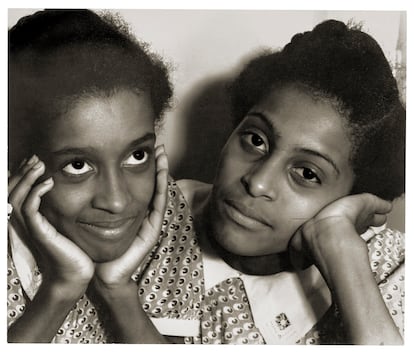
100	121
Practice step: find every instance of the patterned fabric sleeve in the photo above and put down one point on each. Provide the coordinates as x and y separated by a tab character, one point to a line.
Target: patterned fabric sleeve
387	255
16	302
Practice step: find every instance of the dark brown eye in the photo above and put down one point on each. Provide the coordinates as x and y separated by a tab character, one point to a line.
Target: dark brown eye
77	167
138	157
257	140
308	174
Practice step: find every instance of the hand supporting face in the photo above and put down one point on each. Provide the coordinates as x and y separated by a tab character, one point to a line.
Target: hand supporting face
331	240
113	280
116	274
64	264
333	234
66	269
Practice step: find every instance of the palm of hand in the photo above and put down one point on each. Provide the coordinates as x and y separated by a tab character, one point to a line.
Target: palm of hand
65	261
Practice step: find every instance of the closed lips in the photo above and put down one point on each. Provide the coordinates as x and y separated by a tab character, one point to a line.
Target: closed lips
108	224
109	229
251	215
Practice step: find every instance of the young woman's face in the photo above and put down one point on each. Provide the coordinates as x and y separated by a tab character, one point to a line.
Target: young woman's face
287	159
101	157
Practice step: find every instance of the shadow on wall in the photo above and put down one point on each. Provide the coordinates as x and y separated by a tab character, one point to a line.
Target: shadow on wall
207	122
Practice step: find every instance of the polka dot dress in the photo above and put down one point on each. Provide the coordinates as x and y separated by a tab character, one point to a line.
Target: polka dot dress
387	255
227	318
171	285
82	325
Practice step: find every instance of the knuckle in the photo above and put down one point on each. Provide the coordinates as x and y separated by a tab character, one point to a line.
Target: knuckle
26	209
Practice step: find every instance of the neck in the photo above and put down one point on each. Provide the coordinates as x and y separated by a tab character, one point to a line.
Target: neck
251	265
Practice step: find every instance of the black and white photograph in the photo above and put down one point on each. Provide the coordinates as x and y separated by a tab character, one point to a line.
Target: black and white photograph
182	174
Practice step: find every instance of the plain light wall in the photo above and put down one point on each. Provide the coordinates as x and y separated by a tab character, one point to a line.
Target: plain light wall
206	48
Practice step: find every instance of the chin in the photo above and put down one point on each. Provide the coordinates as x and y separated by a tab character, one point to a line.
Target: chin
108	253
106	256
233	245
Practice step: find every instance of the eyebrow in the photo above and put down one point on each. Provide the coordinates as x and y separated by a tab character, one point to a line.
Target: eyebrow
265	120
318	154
275	131
88	149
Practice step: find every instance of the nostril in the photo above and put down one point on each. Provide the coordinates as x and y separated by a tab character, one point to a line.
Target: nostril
245	182
113	196
259	183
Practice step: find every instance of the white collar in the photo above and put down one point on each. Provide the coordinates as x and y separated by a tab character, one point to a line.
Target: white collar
285	306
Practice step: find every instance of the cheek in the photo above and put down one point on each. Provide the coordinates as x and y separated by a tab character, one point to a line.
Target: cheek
64	202
230	167
303	209
142	189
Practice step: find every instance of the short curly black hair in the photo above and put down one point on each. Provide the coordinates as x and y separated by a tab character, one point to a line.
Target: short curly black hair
348	67
58	56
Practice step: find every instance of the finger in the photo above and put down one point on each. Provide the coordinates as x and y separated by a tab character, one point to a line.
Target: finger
379	220
161	190
23	185
38	225
24	167
160	149
149	232
57	246
374	220
30	207
376	204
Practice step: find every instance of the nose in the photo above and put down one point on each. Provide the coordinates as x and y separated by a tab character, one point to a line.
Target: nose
112	193
260	180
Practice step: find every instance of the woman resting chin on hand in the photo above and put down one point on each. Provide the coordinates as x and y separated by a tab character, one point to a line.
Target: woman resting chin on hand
88	206
275	253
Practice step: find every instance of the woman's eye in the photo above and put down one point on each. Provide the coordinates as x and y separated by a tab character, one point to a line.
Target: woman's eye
255	141
77	167
307	175
138	157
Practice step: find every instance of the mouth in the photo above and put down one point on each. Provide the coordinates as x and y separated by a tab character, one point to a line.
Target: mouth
244	217
108	229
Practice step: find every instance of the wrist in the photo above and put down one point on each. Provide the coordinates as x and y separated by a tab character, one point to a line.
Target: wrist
63	291
335	247
114	294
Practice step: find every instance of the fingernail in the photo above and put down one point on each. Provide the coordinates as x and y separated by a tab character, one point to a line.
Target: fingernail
23	162
32	160
48	181
38	165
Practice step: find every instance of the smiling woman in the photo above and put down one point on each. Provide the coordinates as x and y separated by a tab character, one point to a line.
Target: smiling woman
85	97
91	143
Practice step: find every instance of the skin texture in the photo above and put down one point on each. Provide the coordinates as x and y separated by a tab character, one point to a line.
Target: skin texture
99	184
102	170
271	176
281	202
